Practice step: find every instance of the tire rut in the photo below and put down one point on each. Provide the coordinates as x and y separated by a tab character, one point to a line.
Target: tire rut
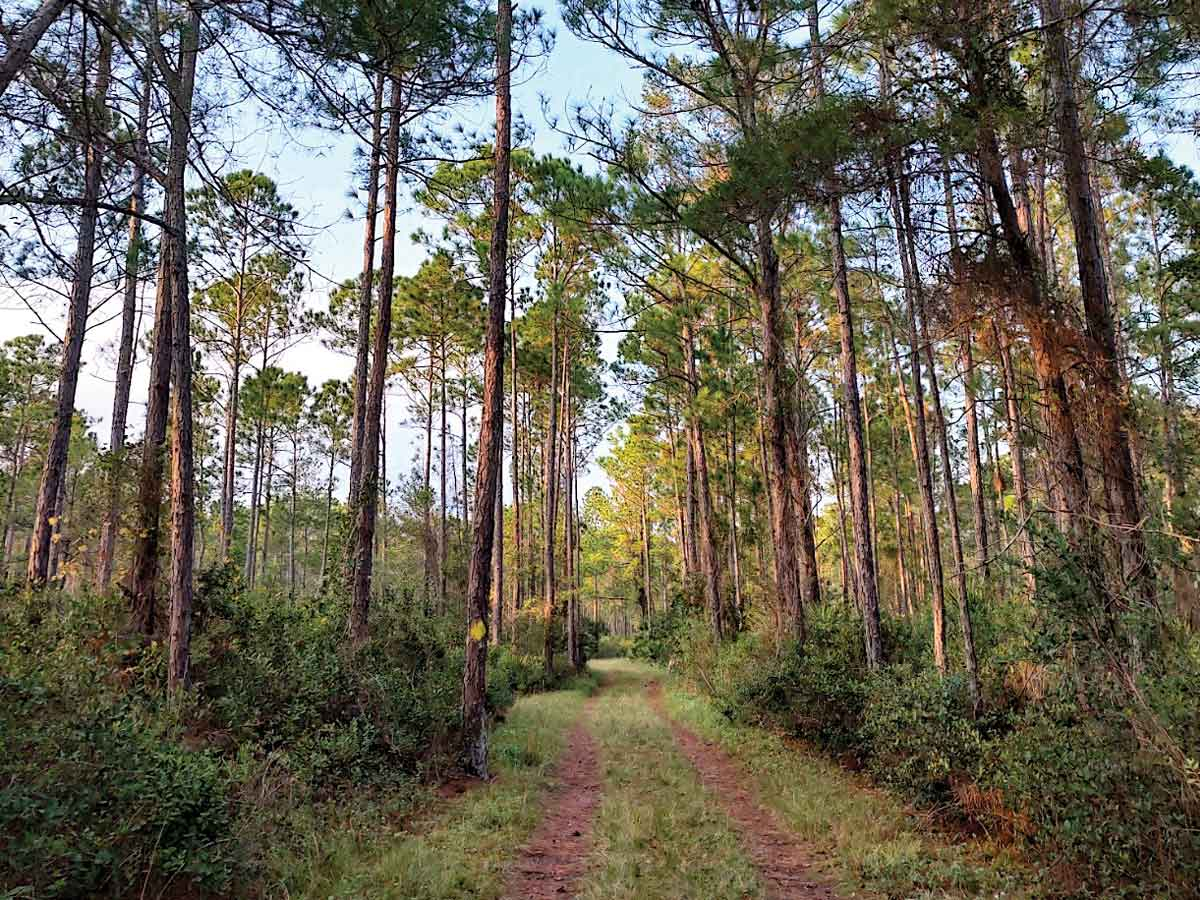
783	860
554	859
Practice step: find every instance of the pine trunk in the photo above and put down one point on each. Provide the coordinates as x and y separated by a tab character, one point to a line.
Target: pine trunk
775	409
491	428
125	356
183	507
365	293
54	467
918	432
368	500
1109	395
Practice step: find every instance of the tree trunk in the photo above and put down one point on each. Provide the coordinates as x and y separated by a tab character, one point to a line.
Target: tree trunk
859	484
904	599
229	467
1016	454
365	512
491	426
249	569
125	355
939	418
430	542
1112	432
229	457
465	524
57	544
292	518
731	499
328	511
918	433
269	480
10	506
518	586
849	593
691	553
707	541
53	470
800	479
144	570
1046	341
680	525
574	653
26	41
775	417
183	511
496	626
644	527
550	501
974	462
974	473
443	534
365	289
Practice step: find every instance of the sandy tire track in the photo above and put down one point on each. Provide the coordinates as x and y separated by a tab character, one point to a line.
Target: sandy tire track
782	859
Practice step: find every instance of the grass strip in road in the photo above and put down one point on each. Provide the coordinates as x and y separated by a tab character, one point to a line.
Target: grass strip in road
461	849
873	841
659	835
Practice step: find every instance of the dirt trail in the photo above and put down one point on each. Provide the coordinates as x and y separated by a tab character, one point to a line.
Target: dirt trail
781	858
555	857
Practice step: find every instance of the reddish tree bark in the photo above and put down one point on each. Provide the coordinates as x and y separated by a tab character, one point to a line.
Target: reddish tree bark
491	429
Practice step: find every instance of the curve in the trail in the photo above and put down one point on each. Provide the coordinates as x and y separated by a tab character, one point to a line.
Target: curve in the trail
554	859
783	861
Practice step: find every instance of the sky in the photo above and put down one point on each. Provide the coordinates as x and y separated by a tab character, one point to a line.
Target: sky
314	171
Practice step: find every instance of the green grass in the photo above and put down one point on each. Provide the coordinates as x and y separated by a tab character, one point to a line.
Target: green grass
658	833
461	848
873	841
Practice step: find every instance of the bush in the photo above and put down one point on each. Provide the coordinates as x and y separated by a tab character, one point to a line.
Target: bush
1100	779
612	647
99	783
658	637
917	733
106	786
816	692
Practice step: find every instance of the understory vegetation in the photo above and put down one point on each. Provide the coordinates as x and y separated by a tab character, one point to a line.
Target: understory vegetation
289	736
1074	758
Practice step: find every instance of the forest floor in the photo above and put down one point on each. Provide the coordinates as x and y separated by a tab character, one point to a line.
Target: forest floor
638	789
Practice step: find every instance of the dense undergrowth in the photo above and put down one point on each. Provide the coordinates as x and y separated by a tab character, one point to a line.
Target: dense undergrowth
1084	753
107	788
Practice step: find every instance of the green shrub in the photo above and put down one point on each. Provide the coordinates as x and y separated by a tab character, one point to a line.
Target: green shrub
105	786
658	637
1102	781
98	783
917	732
612	647
1083	789
815	692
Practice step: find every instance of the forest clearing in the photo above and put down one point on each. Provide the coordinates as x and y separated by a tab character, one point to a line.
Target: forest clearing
599	448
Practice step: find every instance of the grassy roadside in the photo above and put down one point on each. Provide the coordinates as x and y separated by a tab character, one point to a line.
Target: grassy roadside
459	849
874	843
658	835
